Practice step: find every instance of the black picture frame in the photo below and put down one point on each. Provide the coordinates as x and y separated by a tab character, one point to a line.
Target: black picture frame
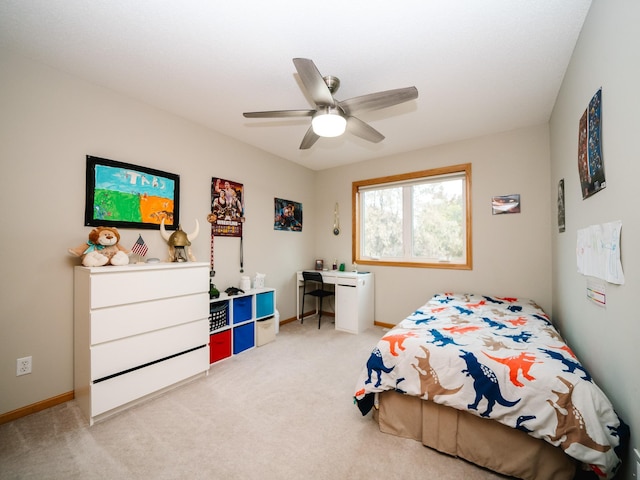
124	195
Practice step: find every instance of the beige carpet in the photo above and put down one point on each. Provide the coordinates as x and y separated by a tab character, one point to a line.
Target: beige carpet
280	411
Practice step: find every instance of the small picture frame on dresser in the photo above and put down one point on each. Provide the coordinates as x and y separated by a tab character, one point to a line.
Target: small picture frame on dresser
319	265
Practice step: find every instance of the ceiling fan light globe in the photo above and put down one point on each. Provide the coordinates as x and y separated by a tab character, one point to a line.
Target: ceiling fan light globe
328	124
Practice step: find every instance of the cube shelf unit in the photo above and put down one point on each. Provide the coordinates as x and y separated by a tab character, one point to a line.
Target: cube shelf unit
232	321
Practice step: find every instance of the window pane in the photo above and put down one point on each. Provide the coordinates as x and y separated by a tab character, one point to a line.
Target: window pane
416	219
382	223
438	220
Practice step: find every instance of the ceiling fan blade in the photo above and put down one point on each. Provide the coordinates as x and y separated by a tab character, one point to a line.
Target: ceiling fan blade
309	139
313	82
375	101
280	114
363	130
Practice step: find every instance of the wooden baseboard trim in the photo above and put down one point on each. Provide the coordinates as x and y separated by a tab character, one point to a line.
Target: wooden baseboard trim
288	320
384	325
305	315
331	314
35	407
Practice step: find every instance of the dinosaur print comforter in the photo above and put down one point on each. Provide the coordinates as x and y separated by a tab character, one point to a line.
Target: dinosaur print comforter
499	358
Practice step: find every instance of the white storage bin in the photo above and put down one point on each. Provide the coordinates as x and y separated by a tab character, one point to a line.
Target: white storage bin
265	331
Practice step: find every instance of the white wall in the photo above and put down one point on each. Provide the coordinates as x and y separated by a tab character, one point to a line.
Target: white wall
511	253
49	122
605	339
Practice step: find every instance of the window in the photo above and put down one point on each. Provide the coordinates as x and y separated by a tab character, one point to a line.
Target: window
419	219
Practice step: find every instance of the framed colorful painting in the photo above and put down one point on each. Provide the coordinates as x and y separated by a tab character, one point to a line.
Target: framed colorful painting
123	195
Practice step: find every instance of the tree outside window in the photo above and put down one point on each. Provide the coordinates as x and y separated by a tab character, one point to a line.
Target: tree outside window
420	219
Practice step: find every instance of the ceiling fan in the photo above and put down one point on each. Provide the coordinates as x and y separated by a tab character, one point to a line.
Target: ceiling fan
332	117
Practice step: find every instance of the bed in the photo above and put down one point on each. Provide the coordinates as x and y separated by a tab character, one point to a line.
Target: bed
489	379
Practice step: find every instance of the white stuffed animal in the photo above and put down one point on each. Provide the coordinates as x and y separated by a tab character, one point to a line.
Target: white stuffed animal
103	248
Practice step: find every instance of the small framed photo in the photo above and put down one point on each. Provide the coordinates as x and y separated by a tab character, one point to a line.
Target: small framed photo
561	214
505	204
319	265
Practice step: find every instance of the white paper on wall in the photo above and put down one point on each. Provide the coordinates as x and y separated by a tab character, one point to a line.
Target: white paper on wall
598	252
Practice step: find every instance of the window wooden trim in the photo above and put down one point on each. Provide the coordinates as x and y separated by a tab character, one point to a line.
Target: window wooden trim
355	216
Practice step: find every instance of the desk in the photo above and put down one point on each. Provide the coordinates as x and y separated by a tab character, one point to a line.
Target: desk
354	298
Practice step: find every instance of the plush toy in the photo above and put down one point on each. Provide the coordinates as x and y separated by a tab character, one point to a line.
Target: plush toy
103	248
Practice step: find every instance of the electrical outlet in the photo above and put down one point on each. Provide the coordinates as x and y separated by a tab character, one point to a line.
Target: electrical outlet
637	462
23	366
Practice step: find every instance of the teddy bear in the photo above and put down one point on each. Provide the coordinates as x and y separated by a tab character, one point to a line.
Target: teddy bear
103	248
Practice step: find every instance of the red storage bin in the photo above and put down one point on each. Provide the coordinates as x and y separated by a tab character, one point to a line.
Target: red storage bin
219	346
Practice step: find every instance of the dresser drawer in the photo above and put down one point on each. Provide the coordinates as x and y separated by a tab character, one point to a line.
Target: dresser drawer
126	388
114	357
112	323
119	287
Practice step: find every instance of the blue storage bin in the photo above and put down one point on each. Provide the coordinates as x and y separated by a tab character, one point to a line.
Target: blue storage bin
264	304
241	309
243	337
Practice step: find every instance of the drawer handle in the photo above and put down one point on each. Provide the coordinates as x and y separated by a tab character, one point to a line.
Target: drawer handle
129	370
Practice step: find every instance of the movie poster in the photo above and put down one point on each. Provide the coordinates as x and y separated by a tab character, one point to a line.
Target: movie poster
227	208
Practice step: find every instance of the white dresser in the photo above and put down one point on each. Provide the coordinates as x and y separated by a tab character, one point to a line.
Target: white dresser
138	330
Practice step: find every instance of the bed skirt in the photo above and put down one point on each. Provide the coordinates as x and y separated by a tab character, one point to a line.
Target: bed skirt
478	440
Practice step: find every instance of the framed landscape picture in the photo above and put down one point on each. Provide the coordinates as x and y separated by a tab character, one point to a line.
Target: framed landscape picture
129	196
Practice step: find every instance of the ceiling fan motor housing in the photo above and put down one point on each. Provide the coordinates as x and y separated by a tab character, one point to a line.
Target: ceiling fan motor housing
333	83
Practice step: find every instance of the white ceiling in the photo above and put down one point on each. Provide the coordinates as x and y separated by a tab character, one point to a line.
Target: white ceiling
479	66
